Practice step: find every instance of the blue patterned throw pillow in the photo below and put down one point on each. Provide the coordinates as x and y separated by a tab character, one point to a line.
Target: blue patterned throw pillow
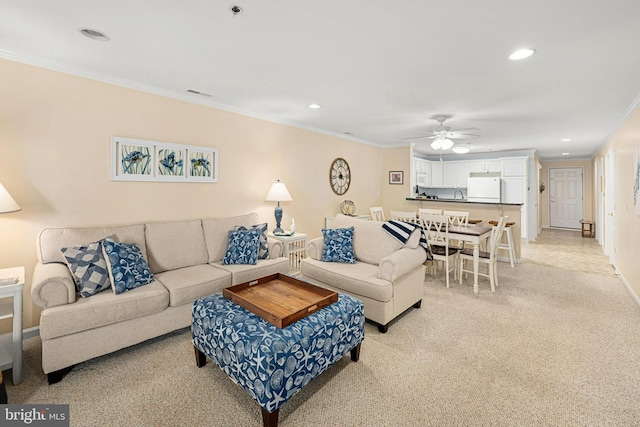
263	250
338	245
127	267
242	247
88	268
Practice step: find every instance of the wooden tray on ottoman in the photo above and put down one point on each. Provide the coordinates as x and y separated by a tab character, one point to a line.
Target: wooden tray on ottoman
280	299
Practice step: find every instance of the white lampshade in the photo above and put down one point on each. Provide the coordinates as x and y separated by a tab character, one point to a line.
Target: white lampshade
278	193
7	204
441	144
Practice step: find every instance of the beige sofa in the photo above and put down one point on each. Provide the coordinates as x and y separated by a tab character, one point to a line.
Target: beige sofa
388	276
185	258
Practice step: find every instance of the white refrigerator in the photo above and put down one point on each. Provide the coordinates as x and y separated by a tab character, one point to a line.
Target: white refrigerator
483	189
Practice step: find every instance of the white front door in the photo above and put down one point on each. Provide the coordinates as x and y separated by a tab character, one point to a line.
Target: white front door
565	197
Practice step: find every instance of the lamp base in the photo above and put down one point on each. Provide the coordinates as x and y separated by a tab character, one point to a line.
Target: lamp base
278	215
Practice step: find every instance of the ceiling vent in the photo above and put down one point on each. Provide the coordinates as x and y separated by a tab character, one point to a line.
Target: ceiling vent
94	34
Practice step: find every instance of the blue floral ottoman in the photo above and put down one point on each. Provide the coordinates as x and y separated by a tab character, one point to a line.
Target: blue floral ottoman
270	363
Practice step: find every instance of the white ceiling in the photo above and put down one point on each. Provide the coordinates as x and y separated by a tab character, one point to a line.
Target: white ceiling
379	69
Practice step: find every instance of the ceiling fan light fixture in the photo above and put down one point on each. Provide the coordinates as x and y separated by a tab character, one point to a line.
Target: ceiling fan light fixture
436	144
461	149
447	144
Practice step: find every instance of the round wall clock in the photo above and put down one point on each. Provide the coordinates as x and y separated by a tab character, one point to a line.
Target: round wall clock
339	176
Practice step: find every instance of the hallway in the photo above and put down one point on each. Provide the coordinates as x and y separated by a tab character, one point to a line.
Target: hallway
567	249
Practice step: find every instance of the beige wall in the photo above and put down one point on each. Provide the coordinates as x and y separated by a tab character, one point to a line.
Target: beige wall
55	133
587	187
626	142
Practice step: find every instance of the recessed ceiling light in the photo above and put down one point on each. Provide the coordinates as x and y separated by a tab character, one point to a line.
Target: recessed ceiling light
566	140
522	54
565	154
461	149
94	34
314	106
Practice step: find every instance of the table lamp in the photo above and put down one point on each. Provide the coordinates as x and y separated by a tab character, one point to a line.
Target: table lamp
278	193
7	204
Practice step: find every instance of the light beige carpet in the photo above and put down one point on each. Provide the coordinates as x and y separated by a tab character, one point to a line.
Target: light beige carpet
551	347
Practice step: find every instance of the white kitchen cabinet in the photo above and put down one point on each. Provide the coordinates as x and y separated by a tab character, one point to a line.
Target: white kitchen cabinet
422	169
514	166
437	174
450	175
493	166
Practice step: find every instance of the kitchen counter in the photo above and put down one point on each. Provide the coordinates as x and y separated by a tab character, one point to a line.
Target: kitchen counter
424	199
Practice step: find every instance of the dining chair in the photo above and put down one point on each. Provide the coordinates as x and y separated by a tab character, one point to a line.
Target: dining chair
377	214
429	211
457	217
404	216
437	229
490	259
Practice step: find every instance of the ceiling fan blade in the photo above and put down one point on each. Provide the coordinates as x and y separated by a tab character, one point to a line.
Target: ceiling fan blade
415	137
466	130
463	136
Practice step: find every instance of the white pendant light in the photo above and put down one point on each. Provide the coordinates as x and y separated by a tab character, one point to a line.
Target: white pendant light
436	144
461	149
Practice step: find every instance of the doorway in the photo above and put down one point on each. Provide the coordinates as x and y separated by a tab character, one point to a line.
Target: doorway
565	197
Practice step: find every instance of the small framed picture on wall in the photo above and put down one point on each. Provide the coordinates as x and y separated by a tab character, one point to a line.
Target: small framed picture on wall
396	177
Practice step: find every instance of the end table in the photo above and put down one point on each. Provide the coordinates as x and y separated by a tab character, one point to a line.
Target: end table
11	346
295	247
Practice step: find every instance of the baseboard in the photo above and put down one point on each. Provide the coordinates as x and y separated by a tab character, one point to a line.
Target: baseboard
30	332
629	288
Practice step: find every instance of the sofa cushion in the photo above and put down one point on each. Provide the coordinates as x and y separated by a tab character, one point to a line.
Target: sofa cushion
216	233
263	250
51	240
88	268
103	309
241	273
175	244
242	247
360	278
338	245
189	283
126	265
370	242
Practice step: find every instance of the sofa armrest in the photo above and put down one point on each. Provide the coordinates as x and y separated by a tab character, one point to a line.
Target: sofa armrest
52	285
276	248
315	247
401	262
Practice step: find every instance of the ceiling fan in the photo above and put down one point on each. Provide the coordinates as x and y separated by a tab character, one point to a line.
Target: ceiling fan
442	135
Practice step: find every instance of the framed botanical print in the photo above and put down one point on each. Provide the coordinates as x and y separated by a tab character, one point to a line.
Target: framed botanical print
141	160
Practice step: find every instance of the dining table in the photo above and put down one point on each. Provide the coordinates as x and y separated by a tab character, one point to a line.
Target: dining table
474	234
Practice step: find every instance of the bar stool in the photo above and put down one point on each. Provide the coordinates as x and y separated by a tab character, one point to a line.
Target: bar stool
509	245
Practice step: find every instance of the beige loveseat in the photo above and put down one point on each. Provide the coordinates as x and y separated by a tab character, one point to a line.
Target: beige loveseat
388	276
185	258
